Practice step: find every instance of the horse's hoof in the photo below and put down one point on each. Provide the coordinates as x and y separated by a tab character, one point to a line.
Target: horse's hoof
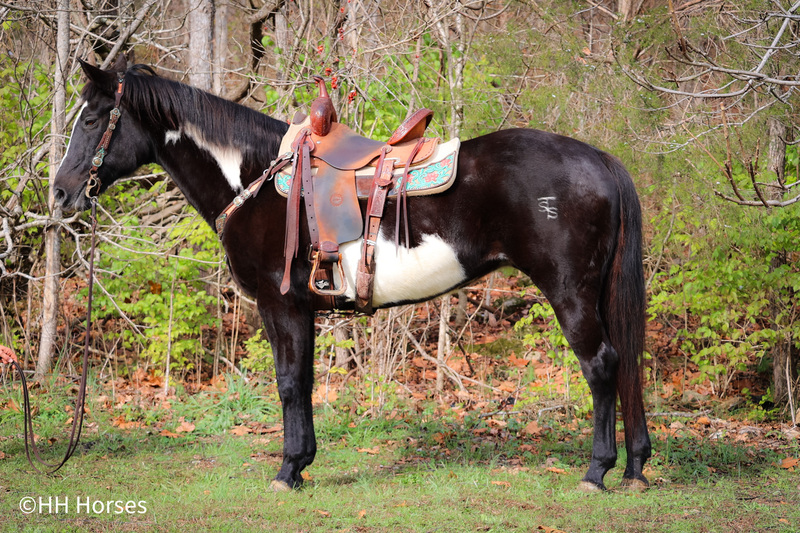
634	484
588	486
277	485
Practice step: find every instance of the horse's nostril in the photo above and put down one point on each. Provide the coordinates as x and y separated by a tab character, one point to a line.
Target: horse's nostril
60	195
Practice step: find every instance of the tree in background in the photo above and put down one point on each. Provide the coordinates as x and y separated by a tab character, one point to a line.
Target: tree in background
728	77
202	63
47	345
482	66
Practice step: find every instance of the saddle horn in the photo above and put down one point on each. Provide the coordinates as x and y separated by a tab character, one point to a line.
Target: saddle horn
322	112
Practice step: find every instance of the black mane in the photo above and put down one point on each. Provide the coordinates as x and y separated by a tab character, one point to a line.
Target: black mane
157	100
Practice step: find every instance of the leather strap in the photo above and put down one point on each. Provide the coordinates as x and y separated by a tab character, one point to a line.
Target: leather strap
308	195
80	401
402	197
302	163
250	192
375	205
105	140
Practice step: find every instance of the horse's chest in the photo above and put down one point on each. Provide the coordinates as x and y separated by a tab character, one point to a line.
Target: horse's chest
406	274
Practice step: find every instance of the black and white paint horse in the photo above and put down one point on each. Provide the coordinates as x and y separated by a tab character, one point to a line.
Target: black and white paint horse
563	212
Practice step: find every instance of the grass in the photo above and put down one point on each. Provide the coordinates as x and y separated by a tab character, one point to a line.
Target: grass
419	470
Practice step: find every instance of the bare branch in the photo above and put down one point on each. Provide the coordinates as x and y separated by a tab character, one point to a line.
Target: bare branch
704	66
265	10
759	203
127	32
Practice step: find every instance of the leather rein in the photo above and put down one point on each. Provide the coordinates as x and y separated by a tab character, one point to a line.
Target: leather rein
77	416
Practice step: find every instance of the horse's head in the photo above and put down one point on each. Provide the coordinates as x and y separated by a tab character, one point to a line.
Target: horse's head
127	148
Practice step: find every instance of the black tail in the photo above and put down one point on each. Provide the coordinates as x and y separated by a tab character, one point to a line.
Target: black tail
624	299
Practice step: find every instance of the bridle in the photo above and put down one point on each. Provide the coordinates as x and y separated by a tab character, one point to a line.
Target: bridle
102	147
77	420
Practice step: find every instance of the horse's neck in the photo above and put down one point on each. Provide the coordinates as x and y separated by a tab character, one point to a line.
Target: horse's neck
209	175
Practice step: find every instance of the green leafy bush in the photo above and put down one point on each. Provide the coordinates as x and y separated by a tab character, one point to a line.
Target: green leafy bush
259	355
159	286
734	294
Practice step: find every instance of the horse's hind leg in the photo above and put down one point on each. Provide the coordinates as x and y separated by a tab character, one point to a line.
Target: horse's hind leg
577	314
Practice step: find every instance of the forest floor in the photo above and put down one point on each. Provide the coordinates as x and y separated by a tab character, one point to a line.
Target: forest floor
503	451
204	461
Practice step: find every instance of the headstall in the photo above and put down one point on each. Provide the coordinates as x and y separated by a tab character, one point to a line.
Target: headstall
102	147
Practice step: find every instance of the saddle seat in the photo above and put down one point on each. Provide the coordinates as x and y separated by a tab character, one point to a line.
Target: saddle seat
327	156
344	149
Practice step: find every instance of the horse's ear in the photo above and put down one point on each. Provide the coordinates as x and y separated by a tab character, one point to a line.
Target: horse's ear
121	64
105	80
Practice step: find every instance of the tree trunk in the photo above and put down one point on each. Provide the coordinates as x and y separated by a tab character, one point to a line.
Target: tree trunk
627	8
443	349
455	75
782	364
455	63
47	342
201	43
220	50
341	333
461	308
776	152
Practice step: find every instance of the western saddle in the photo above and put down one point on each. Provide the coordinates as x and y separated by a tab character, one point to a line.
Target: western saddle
330	196
331	167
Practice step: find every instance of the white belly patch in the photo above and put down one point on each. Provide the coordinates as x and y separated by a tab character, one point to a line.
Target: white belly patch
407	274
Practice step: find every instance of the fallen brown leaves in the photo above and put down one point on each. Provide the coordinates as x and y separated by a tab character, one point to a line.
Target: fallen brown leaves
324	394
184	426
514	380
122	423
375	450
789	463
764	435
240	430
255	428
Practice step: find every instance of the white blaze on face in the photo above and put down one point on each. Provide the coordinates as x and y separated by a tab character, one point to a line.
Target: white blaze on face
228	158
72	134
408	274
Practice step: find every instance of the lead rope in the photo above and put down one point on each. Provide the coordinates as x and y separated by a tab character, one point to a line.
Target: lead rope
77	416
80	401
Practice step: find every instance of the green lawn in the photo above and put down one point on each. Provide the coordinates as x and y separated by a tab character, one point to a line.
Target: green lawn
413	471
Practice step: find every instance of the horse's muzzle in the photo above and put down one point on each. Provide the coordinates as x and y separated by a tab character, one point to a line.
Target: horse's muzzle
77	201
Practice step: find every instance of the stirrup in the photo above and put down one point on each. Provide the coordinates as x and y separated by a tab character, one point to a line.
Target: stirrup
316	259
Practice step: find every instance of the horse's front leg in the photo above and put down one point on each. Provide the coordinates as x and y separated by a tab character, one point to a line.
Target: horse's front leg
290	329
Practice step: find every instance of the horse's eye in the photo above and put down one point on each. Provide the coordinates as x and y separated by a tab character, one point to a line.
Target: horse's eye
90	122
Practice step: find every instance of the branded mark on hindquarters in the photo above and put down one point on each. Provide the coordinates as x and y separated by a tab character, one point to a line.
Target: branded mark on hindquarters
545	206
